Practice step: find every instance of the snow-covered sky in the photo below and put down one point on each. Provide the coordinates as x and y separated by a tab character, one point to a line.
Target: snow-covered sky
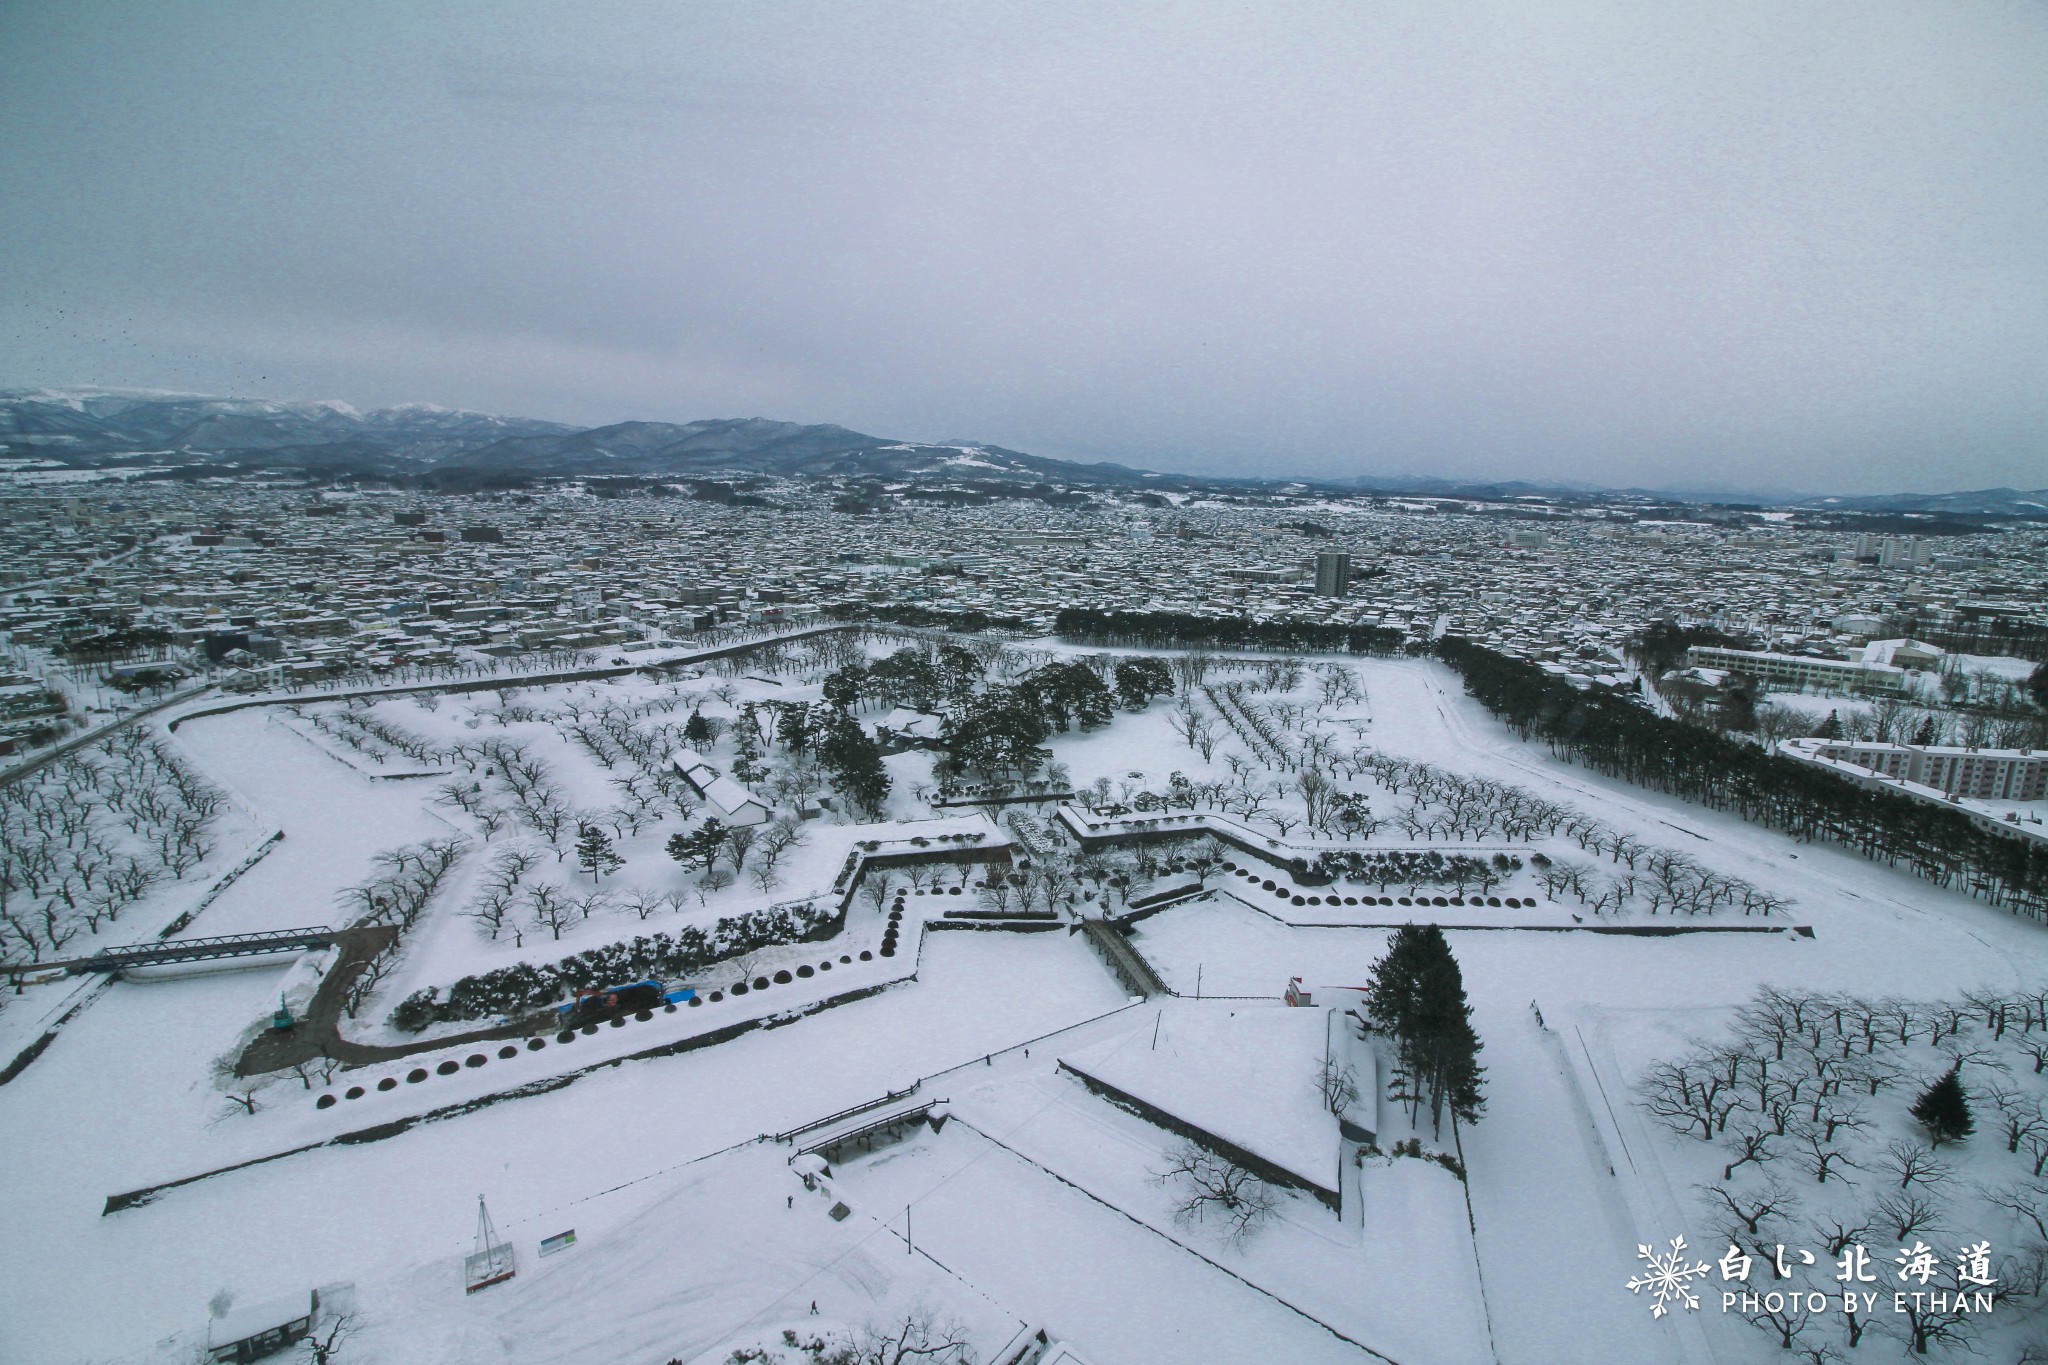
1742	243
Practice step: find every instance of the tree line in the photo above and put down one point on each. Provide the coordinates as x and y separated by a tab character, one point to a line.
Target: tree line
1613	736
1000	731
1186	630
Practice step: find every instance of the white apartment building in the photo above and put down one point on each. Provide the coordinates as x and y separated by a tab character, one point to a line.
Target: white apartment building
1975	774
1801	671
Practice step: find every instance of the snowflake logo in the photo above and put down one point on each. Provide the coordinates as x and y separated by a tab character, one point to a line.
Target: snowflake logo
1668	1277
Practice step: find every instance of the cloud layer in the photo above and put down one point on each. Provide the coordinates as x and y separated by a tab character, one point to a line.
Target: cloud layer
1741	244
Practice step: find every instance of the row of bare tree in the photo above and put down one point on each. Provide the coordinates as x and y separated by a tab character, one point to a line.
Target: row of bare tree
397	894
1806	1098
85	838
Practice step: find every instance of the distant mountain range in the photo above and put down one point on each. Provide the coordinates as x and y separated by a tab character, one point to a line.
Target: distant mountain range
94	428
2003	502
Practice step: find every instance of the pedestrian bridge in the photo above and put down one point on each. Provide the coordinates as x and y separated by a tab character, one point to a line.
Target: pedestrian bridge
183	950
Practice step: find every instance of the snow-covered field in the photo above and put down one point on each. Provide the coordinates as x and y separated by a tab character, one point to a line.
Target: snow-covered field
1038	1205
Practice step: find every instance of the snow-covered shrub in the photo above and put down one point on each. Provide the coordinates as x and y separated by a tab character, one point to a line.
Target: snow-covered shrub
663	956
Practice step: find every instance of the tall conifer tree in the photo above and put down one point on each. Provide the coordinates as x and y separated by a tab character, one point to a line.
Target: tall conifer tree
1418	1000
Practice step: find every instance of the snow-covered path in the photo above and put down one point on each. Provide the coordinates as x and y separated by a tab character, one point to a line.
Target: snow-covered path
1554	1232
334	820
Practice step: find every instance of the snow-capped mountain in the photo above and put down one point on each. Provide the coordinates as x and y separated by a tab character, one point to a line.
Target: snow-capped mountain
76	424
89	427
448	447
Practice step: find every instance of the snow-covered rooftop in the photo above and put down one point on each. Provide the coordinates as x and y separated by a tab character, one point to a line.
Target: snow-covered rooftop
1246	1075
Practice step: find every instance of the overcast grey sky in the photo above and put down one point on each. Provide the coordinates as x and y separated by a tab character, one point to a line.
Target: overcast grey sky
1793	245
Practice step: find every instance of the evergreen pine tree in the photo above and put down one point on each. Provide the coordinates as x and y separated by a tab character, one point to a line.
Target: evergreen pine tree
1417	998
699	847
843	687
1927	733
746	736
1463	1082
1390	1002
1944	1110
1831	728
696	729
797	728
855	763
595	854
1446	1042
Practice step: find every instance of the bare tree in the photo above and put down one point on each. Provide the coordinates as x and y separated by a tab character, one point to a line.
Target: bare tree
1624	848
1836	1233
367	980
738	841
2020	1115
1785	1316
1187	720
1752	1206
243	1092
1055	882
511	866
1913	1162
1687	1096
1204	1183
641	903
2034	1146
2036	1048
1920	1324
1190	668
1903	1212
550	908
2026	1198
2022	1276
920	1339
778	838
1337	1084
465	798
1751	1139
490	909
309	1069
1817	1152
324	1343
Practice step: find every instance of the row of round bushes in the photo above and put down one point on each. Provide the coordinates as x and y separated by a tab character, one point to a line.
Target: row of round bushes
894	926
1411	866
854	857
664	956
1298	898
450	1066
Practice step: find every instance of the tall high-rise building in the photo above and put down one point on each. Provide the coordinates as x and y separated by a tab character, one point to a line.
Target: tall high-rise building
1908	552
1333	573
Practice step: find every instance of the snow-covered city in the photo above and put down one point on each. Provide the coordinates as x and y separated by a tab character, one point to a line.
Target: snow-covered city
1055	987
1172	896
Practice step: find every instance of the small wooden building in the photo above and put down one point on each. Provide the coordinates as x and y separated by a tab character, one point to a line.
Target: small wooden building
261	1329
